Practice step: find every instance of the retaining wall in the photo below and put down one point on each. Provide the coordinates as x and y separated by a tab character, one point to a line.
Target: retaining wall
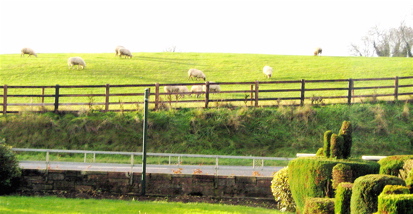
118	183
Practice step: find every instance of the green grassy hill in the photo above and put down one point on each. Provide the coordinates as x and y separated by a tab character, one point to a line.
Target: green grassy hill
51	69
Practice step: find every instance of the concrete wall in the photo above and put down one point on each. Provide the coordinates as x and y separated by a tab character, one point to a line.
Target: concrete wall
41	181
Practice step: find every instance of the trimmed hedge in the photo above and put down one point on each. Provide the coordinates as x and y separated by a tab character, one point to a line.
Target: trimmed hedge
311	176
319	206
341	173
366	190
395	189
281	191
9	171
395	204
392	165
343	197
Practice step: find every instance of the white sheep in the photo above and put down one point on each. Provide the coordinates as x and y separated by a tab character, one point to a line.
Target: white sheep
28	51
117	50
183	89
125	52
197	88
212	88
318	51
176	89
195	73
267	70
76	61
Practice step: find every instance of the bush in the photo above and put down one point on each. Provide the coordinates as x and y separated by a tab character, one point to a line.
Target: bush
9	170
341	173
395	189
367	188
393	164
346	131
311	176
319	206
343	197
395	204
281	191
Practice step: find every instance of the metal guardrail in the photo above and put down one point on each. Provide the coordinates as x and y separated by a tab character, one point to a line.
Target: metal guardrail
133	154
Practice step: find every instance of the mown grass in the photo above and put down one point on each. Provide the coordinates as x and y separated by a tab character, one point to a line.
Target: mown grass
44	205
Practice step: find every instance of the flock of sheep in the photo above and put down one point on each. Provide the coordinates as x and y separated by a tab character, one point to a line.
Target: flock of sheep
192	73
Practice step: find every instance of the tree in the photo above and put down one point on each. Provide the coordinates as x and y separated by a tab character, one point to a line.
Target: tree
393	42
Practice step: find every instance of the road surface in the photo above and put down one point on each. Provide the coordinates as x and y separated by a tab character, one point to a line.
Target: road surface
172	169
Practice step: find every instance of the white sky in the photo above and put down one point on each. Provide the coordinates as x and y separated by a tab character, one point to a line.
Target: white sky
289	27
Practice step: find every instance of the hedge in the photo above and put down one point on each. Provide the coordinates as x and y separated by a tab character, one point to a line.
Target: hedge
319	206
392	165
395	204
343	197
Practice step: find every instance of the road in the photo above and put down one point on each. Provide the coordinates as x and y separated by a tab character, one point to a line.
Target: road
172	169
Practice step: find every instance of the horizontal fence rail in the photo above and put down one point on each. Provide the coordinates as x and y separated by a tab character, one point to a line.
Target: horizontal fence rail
177	162
270	93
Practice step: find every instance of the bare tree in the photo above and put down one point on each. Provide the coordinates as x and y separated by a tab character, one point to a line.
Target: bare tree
393	42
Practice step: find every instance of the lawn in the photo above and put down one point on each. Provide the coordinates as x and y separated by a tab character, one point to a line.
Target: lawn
46	205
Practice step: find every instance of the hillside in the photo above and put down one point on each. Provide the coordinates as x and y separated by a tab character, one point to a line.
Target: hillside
51	69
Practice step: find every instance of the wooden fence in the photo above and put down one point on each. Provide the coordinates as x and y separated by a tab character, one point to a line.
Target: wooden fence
270	93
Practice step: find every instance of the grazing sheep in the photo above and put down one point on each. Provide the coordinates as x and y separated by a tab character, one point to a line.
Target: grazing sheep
125	52
197	88
176	89
183	89
267	70
76	61
195	73
318	51
28	51
117	49
212	88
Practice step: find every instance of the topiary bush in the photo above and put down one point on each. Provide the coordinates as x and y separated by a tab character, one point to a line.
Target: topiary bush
319	206
366	190
395	189
326	141
9	170
341	173
392	165
336	146
395	199
346	132
311	176
281	191
342	198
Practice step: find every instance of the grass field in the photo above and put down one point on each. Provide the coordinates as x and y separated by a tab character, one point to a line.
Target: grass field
48	205
166	67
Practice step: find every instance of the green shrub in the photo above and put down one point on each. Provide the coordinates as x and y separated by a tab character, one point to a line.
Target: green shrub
367	188
346	131
407	169
311	176
9	170
327	138
341	173
319	206
395	189
281	191
336	146
342	198
395	204
393	164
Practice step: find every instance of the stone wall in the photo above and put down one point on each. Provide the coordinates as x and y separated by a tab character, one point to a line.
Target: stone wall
118	183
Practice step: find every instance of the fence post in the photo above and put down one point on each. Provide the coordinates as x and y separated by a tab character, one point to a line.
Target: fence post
396	88
156	96
350	90
256	93
4	99
206	94
56	99
302	92
42	95
107	91
252	94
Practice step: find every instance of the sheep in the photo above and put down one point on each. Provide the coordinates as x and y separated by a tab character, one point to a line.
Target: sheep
195	73
212	87
125	52
267	70
176	89
117	50
197	88
28	51
318	51
76	61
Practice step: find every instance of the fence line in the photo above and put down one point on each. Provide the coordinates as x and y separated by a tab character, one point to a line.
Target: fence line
256	94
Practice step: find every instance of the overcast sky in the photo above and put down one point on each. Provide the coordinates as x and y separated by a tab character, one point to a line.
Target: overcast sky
231	26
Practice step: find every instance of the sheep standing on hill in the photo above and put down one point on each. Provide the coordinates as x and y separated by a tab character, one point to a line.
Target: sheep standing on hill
197	88
76	61
267	70
195	73
175	89
318	51
117	50
125	52
28	51
212	88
